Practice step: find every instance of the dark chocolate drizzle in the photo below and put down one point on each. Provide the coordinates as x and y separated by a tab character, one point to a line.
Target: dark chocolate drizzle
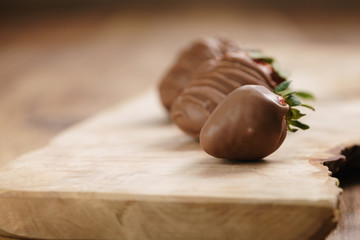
187	63
211	83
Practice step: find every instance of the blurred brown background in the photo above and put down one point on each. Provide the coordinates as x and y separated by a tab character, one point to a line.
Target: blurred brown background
62	61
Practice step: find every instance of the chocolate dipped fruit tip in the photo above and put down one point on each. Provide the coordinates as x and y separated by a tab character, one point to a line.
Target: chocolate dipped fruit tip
252	122
187	62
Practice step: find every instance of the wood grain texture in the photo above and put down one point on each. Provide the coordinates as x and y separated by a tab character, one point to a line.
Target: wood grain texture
129	174
57	69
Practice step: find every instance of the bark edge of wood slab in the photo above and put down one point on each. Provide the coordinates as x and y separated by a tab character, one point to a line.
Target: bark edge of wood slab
128	173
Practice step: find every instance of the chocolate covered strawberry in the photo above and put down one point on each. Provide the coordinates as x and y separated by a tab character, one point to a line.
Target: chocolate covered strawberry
213	81
251	122
187	63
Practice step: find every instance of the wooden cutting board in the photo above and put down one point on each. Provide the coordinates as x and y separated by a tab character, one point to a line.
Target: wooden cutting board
128	173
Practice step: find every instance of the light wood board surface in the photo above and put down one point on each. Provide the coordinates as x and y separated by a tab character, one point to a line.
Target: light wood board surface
129	174
57	69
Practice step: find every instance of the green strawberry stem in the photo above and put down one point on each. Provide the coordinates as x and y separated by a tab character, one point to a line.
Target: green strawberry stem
292	99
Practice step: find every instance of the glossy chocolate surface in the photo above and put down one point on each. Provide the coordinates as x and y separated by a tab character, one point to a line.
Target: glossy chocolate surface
211	83
249	124
187	63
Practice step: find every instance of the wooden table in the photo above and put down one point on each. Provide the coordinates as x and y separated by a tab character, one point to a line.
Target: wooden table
58	68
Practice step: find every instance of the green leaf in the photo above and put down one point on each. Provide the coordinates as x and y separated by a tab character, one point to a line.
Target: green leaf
258	55
308	106
255	53
289	115
296	114
279	71
290	129
282	86
266	59
298	124
305	95
286	92
293	101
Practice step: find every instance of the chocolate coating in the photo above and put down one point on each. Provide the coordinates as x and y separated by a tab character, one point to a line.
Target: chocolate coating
211	83
186	64
249	124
